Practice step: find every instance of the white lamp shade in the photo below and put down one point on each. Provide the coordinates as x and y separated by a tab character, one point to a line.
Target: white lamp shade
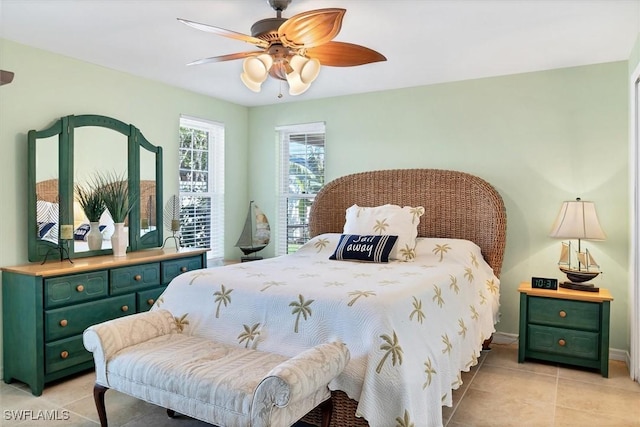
252	85
257	67
577	220
310	71
296	85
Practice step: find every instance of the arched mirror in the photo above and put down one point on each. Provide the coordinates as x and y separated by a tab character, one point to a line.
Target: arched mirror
73	155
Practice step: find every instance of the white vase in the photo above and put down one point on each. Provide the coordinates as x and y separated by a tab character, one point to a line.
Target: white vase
94	237
119	240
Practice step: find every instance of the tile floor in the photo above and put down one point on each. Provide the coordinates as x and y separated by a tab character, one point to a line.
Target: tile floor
497	392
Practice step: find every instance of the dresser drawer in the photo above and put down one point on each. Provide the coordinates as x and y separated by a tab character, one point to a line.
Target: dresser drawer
68	321
564	313
146	299
566	342
171	269
127	279
65	353
75	288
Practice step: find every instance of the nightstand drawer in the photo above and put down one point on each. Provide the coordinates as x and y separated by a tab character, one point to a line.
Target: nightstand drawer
76	288
171	269
127	279
564	313
566	342
65	353
68	321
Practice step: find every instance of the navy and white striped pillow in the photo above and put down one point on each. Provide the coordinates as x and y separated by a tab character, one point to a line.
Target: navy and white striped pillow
355	247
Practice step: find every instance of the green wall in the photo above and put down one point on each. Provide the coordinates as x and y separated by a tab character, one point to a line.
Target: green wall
539	138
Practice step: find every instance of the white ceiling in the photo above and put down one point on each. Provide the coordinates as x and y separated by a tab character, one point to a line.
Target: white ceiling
425	41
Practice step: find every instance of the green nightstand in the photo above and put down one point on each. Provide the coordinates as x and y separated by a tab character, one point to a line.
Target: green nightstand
565	326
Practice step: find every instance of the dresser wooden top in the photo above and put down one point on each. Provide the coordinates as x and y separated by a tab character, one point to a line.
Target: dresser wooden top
81	265
602	295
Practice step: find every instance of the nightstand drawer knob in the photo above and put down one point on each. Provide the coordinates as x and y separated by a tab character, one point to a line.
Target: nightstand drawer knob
80	288
562	314
150	301
125	308
562	342
64	354
183	269
137	277
63	322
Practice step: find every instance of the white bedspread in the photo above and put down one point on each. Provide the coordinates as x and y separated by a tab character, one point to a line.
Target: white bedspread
411	327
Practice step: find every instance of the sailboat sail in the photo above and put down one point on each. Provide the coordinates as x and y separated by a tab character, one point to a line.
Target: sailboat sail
256	232
565	254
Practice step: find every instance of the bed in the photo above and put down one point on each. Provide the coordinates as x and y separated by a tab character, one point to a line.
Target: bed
411	327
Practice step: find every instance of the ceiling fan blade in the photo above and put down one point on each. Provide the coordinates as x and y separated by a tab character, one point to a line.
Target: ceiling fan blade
312	28
226	33
229	57
6	77
339	54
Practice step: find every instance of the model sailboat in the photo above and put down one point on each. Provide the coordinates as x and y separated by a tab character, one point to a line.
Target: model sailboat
587	266
255	234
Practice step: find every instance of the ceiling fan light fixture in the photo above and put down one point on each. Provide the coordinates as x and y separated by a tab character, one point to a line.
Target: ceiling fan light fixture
296	85
310	70
257	67
249	83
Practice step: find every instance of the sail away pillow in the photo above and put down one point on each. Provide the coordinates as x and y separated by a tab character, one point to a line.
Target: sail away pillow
390	220
354	247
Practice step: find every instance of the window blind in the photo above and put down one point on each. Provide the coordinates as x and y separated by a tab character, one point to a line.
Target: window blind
301	175
201	186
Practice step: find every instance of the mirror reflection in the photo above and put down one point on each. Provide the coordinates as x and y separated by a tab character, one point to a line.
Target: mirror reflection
47	196
96	150
147	192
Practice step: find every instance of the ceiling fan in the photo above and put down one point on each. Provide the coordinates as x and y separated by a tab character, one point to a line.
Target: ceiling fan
292	49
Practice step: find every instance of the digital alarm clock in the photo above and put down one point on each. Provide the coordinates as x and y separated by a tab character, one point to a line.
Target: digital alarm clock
544	283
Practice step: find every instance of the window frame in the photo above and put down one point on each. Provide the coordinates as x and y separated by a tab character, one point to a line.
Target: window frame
215	182
283	245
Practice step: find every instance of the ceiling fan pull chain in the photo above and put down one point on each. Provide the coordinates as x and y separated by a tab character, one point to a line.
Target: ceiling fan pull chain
280	92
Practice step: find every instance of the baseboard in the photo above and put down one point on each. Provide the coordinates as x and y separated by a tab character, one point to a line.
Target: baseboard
506	339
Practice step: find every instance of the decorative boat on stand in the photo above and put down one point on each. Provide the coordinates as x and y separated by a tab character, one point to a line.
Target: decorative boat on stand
256	233
587	268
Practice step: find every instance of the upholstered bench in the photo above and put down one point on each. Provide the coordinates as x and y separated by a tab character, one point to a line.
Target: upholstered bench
145	355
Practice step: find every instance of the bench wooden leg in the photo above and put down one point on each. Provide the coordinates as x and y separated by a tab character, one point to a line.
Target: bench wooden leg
326	408
98	397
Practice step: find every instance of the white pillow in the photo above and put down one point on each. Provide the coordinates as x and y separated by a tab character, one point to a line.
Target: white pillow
387	219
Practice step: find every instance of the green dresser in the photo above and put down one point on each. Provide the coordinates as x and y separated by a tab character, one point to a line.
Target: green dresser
565	326
47	307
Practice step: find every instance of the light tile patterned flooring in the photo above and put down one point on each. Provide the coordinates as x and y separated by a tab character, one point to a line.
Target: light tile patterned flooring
497	392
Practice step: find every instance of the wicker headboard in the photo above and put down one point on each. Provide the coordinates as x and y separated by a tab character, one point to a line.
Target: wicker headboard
457	205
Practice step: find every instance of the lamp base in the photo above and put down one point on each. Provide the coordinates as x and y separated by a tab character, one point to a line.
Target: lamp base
587	287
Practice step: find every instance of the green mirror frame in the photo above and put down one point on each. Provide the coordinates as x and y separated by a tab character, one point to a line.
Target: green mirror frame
38	249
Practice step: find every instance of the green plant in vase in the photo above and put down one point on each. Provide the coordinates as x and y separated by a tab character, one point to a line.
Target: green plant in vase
90	200
114	190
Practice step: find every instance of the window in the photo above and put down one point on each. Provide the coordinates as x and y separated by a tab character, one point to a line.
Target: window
202	185
301	176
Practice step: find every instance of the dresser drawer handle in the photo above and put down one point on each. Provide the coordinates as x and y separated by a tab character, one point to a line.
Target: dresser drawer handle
124	308
183	269
137	277
64	354
64	323
80	288
562	342
150	301
562	314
